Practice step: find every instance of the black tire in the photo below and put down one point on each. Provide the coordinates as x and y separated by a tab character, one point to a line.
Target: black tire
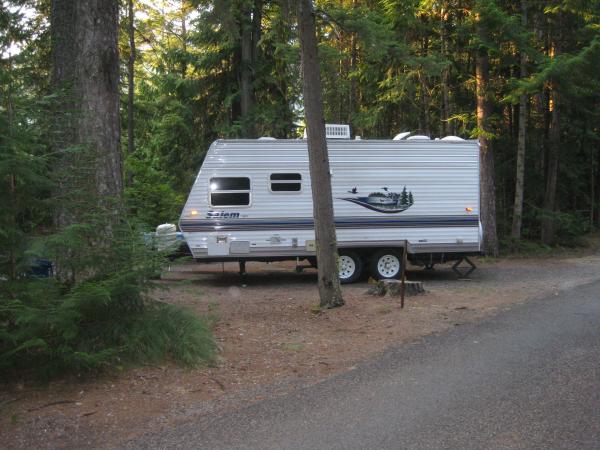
350	266
391	266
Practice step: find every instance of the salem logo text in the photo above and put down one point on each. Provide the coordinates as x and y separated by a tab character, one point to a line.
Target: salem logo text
222	215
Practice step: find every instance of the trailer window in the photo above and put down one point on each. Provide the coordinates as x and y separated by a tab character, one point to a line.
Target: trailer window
230	191
286	182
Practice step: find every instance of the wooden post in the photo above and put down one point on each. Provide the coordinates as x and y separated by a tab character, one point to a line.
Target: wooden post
403	289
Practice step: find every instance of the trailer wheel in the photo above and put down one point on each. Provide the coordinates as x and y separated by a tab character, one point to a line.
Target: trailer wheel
386	264
350	266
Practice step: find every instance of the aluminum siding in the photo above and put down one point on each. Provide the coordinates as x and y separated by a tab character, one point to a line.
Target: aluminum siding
442	176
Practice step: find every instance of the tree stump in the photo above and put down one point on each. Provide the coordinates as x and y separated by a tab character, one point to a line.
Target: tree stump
393	288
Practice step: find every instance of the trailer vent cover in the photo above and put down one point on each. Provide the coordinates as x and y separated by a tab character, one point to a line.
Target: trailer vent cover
335	131
401	136
452	138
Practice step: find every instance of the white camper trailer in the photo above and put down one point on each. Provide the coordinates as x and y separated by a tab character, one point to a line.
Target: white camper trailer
252	201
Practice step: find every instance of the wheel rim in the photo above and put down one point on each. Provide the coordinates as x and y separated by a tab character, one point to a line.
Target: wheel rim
388	266
347	267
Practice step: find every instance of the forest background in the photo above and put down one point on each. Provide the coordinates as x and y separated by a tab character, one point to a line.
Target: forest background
520	75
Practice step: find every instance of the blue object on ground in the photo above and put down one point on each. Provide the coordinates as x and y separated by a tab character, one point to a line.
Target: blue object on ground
41	268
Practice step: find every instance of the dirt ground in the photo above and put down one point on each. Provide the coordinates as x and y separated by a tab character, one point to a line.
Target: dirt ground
271	342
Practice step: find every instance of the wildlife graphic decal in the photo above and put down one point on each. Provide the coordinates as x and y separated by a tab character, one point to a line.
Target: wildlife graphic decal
383	201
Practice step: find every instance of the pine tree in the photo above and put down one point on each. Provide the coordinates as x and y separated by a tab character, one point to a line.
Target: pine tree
327	254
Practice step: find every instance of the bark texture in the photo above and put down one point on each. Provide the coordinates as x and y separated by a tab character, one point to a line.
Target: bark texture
130	79
86	64
517	218
554	132
250	35
548	225
487	182
327	255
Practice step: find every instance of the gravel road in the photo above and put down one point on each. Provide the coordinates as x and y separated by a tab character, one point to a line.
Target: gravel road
526	378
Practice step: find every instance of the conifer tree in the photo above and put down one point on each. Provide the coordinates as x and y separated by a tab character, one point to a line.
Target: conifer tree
327	255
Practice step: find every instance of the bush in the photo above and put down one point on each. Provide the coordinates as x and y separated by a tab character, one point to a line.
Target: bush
150	196
168	331
101	316
524	247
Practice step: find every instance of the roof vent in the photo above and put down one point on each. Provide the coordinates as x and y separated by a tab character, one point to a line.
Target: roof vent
401	136
335	131
418	137
452	138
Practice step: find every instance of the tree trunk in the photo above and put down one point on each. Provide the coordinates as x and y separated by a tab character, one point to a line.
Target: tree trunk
548	221
12	185
548	225
246	94
522	139
86	62
424	109
592	184
329	284
425	98
596	189
184	38
130	79
487	182
352	97
256	29
445	107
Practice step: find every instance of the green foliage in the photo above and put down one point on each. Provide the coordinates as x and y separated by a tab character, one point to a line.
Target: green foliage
569	226
166	331
102	316
150	196
524	247
98	313
24	184
387	66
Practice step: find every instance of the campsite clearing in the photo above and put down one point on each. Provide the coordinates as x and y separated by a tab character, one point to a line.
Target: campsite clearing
271	342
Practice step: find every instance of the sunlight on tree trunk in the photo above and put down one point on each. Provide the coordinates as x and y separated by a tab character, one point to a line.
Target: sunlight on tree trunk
554	142
329	283
488	184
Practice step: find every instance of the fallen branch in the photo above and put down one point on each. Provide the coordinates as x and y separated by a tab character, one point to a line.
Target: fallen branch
58	402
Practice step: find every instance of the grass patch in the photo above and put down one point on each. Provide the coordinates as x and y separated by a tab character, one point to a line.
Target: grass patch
171	332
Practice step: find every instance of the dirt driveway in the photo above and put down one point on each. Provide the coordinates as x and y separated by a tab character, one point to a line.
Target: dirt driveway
271	343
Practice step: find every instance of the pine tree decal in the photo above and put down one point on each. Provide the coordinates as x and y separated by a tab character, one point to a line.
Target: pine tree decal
404	197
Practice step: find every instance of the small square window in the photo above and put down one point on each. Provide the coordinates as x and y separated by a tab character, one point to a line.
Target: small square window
229	191
286	182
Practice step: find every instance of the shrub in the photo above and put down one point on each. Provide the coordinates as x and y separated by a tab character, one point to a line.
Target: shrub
99	318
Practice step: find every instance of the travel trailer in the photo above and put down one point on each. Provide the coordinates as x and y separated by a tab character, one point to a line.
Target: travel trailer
252	201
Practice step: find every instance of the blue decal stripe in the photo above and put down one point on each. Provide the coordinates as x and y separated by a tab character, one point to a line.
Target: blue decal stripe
304	224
